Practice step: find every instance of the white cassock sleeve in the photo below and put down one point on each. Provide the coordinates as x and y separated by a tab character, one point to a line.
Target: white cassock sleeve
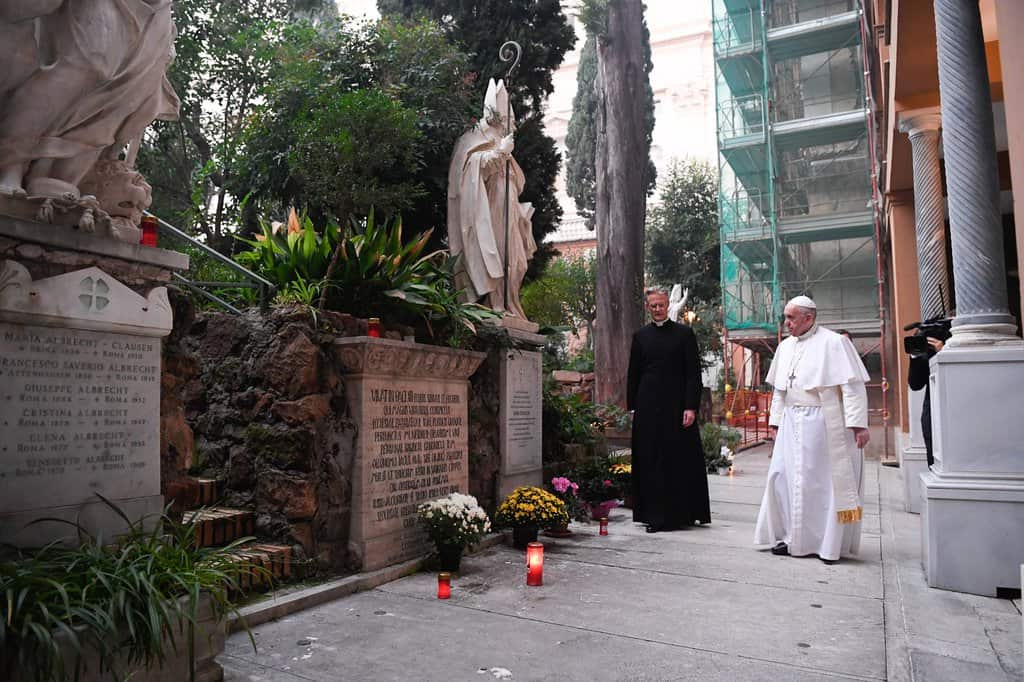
778	405
855	405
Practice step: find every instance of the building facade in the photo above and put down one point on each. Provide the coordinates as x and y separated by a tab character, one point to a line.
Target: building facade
798	206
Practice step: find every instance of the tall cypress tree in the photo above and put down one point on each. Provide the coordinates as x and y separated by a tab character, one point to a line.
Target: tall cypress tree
581	139
540	27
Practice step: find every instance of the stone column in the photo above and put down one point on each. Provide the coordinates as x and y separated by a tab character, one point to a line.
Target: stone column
973	495
906	308
971	176
929	214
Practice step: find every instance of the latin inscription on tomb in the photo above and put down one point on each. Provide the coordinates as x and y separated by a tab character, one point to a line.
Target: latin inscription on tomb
414	445
79	415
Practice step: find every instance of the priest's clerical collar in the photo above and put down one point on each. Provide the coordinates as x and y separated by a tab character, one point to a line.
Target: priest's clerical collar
659	323
809	333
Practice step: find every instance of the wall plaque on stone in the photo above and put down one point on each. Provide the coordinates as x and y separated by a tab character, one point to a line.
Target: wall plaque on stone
79	402
521	403
409	403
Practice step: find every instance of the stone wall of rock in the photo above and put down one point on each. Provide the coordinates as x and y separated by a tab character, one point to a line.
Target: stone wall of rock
258	402
484	446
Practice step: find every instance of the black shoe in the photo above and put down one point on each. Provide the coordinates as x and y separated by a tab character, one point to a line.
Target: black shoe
654	528
781	549
829	562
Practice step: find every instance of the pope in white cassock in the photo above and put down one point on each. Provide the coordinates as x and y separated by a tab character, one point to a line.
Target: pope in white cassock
819	416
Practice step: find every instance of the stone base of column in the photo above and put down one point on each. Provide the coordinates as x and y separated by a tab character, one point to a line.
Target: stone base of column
971	532
973	498
913	463
913	454
984	335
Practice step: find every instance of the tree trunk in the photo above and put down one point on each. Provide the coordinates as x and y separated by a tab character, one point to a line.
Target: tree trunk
621	196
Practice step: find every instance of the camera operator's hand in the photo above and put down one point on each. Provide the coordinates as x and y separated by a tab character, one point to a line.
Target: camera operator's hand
935	344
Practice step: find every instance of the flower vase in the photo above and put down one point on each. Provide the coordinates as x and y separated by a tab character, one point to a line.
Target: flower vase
600	510
450	557
523	535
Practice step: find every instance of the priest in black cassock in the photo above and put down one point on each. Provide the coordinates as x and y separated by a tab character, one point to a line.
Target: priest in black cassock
670	484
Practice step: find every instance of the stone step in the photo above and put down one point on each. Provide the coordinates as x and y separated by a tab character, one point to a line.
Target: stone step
190	492
216	526
274	560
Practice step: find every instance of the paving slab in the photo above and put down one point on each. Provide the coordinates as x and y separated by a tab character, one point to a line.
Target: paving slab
387	636
700	604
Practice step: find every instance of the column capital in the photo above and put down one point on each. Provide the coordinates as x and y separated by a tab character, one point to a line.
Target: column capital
915	122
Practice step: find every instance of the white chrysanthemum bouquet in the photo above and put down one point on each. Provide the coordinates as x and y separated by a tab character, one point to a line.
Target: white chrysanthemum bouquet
455	520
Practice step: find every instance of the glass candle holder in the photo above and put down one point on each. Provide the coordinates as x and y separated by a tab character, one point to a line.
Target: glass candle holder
444	585
534	564
604	526
373	327
149	228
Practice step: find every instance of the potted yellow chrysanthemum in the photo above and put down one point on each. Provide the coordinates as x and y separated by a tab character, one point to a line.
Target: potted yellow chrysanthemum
527	510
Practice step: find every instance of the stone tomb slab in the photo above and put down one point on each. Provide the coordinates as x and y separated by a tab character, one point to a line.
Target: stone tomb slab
519	422
409	402
79	402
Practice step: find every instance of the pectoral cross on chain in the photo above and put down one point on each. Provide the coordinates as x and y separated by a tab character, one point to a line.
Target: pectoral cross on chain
792	367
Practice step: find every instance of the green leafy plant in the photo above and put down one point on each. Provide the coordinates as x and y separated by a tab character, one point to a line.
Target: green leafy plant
713	437
288	253
125	600
596	480
443	310
373	270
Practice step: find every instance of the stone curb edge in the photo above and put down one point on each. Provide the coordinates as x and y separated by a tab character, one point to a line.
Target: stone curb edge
287	604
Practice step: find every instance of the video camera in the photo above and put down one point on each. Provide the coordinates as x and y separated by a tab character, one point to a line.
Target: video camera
934	328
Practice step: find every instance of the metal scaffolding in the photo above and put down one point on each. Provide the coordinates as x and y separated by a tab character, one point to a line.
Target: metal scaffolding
797	199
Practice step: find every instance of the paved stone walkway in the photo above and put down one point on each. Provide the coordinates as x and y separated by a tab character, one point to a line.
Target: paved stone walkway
699	604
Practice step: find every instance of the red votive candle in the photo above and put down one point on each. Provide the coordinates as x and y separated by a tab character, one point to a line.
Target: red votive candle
149	225
373	327
534	564
604	526
444	585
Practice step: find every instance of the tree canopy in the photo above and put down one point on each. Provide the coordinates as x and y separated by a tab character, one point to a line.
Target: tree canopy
224	54
682	244
581	138
565	295
359	114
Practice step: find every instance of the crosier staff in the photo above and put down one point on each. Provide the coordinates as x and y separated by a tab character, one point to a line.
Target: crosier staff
510	51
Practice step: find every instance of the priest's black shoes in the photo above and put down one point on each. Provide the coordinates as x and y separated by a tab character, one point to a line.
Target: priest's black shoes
654	528
781	549
829	562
